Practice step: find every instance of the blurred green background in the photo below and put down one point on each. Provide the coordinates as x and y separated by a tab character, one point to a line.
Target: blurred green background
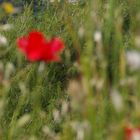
94	93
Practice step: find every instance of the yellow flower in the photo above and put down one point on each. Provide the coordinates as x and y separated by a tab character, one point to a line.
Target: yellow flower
8	7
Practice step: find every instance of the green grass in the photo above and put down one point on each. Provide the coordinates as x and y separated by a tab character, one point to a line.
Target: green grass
73	99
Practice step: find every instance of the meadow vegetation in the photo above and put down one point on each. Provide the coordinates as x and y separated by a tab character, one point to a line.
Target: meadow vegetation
93	93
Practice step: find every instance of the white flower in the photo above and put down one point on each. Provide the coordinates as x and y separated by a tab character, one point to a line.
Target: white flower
56	116
3	40
41	67
72	1
23	120
46	130
80	134
133	60
81	128
6	27
116	100
97	36
23	88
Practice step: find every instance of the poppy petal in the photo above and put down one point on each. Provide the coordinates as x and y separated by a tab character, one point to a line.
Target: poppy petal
22	43
37	48
57	45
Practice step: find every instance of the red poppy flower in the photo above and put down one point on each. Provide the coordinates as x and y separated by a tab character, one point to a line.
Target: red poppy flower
36	48
132	133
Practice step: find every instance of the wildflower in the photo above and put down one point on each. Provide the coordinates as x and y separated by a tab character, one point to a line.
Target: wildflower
72	1
117	100
81	129
56	116
41	67
133	60
23	120
132	133
97	36
37	48
23	88
6	27
3	40
46	130
8	7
